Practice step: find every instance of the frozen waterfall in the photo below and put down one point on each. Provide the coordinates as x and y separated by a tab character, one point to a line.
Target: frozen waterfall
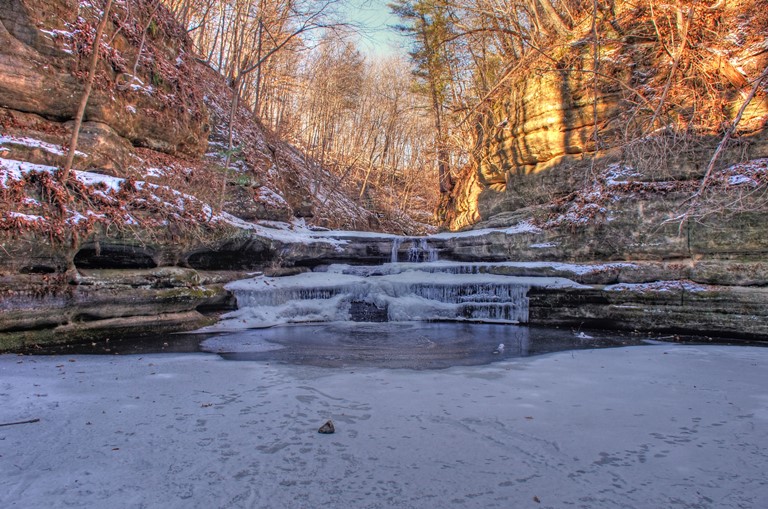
397	292
419	251
395	249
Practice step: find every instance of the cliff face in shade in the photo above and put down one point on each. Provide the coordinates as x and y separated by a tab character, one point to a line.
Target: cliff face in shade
43	61
173	112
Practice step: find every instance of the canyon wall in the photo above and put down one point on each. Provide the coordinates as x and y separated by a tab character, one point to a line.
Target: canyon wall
602	159
561	117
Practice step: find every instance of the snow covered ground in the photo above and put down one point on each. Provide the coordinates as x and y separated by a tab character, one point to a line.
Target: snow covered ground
653	427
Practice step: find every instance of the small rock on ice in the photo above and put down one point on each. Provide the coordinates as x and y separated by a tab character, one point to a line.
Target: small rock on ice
327	428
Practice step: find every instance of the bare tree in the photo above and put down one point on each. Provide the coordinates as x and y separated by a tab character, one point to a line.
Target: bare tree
243	62
95	50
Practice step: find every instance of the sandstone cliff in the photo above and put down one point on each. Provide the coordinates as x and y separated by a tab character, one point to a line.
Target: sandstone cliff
44	51
556	123
608	165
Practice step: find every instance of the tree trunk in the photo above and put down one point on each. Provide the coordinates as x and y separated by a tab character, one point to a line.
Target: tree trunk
230	137
86	92
257	85
443	167
675	64
144	38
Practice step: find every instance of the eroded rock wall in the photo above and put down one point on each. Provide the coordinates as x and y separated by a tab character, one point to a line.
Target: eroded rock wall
574	165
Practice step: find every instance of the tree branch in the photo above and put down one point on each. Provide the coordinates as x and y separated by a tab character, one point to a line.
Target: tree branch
30	421
721	146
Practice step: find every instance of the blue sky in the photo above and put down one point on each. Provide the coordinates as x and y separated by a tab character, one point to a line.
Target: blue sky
375	17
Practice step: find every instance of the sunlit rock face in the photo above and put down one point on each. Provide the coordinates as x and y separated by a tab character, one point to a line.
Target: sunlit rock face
543	123
544	119
540	130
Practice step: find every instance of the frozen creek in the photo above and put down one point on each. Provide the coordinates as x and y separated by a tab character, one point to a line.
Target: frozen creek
658	426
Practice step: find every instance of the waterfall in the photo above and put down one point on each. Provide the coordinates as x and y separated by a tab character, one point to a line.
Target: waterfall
421	251
430	251
398	292
395	248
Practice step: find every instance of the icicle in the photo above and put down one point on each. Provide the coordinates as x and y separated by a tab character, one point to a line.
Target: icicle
396	292
395	248
429	251
413	252
421	251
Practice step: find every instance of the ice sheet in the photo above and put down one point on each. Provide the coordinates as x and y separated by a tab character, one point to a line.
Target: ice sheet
636	428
